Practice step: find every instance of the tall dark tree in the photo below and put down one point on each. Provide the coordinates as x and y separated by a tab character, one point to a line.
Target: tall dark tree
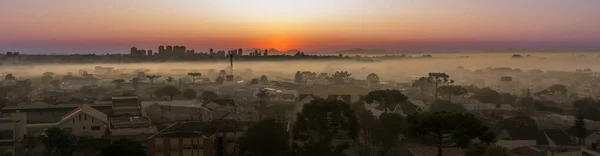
263	97
322	120
447	106
453	90
254	81
373	79
170	91
444	129
580	129
389	98
9	76
56	140
439	79
123	147
388	130
189	93
340	77
263	80
209	96
267	138
298	77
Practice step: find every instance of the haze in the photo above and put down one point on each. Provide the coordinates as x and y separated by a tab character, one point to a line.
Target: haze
111	26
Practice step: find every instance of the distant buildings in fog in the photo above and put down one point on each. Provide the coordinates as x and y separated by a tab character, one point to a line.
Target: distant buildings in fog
182	51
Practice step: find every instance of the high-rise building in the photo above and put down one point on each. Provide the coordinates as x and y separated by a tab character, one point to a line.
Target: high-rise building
169	50
149	53
240	52
161	50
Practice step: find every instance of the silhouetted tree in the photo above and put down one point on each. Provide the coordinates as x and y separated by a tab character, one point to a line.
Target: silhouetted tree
194	75
443	127
209	96
319	122
123	147
298	77
151	78
220	80
254	81
388	131
453	90
447	106
439	79
373	78
264	80
580	129
189	93
170	91
56	140
263	102
267	138
340	77
9	77
170	79
389	98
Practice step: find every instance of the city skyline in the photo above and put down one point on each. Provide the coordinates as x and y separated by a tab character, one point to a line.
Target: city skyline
68	26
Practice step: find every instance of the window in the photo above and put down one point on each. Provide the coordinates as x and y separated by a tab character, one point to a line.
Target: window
197	147
73	120
230	140
85	117
79	117
83	127
188	147
95	127
92	119
68	129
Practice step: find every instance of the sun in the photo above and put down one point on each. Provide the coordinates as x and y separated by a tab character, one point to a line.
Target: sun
279	43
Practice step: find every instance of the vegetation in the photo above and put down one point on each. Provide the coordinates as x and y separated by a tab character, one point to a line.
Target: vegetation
169	91
209	96
267	138
58	142
580	129
448	106
389	98
123	147
189	93
263	102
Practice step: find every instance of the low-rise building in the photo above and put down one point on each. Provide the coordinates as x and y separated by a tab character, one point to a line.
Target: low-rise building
43	113
12	132
132	127
175	111
84	121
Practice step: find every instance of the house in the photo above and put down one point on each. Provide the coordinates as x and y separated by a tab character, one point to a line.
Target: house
183	138
126	106
12	132
191	138
43	113
219	108
174	111
131	127
84	121
526	151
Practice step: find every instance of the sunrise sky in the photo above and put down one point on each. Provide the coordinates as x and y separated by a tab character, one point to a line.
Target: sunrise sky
111	26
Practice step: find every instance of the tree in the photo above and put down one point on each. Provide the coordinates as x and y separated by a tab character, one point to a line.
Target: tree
194	75
189	93
340	77
298	77
580	129
56	140
118	83
424	85
209	96
263	96
9	76
517	56
263	80
447	106
170	79
441	128
267	138
170	91
439	79
373	79
151	78
55	84
522	124
588	108
389	98
123	147
388	131
495	150
47	77
322	120
220	80
367	123
254	81
453	90
561	89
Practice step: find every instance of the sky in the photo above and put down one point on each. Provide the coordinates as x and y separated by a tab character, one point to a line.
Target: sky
112	26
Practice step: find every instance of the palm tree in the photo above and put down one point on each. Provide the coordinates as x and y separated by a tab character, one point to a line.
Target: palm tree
263	99
151	78
194	75
118	83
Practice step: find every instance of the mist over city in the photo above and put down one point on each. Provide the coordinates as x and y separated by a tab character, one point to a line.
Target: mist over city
299	78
